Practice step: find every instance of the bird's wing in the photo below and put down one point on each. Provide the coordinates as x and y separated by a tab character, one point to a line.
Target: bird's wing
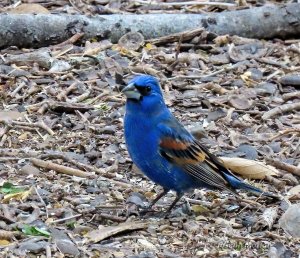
180	147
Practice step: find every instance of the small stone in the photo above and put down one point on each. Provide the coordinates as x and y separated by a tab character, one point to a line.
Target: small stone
266	88
290	220
33	247
30	170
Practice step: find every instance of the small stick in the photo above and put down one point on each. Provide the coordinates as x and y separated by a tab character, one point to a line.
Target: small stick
42	110
284	166
3	140
286	131
37	130
274	181
41	125
81	97
281	109
275	236
111	217
291	95
73	162
272	62
71	40
63	94
144	69
42	201
273	75
60	168
224	69
64	219
21	85
3	136
183	36
86	167
293	48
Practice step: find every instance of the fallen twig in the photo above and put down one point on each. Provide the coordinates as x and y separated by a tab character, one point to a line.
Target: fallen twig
281	109
275	182
65	219
60	168
71	40
183	36
284	166
41	125
111	217
286	131
291	95
90	168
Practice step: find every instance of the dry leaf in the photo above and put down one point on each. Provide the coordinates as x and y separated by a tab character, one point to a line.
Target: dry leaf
29	8
240	102
249	169
4	242
105	232
131	41
17	196
199	209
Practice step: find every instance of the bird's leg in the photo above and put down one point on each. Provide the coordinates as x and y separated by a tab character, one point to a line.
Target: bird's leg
158	197
178	197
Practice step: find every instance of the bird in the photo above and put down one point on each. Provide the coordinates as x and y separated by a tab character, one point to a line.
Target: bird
166	152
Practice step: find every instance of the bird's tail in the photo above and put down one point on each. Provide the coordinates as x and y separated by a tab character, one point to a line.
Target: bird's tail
236	183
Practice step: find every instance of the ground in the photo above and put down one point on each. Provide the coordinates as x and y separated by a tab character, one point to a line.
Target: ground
68	186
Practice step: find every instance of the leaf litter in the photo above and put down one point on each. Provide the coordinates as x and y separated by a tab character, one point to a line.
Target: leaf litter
67	184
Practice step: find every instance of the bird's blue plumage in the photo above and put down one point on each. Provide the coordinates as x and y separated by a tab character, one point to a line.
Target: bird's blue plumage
164	150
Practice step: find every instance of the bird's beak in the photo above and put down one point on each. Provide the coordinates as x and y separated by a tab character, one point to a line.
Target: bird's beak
131	92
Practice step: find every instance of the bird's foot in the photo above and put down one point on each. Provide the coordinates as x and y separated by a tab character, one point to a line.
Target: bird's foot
146	210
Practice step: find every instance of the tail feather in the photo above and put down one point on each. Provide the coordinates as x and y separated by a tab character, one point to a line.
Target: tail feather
236	183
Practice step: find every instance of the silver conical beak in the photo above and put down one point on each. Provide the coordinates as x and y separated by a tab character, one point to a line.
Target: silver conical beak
131	92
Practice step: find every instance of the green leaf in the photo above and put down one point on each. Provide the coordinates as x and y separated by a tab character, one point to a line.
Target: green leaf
71	224
35	231
9	188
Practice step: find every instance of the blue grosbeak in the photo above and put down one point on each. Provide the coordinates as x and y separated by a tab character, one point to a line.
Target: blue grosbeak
165	151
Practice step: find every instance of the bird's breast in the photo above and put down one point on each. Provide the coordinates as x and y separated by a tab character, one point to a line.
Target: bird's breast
141	138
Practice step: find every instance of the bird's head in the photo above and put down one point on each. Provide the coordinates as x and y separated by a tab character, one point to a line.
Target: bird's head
144	92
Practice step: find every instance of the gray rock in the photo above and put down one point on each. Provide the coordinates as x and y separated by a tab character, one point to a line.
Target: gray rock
290	220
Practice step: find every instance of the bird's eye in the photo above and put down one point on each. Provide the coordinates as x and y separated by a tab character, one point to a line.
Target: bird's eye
145	91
